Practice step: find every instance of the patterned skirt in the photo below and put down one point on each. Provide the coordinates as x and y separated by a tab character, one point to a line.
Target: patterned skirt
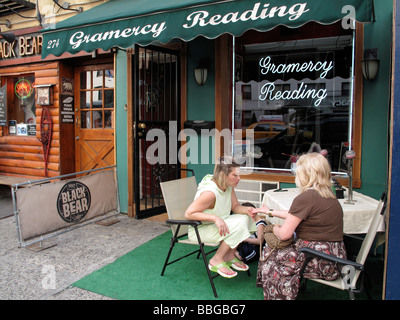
279	274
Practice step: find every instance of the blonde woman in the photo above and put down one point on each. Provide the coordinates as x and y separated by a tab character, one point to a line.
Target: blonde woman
214	201
316	219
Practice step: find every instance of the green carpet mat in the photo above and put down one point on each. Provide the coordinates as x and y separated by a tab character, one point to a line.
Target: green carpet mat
137	276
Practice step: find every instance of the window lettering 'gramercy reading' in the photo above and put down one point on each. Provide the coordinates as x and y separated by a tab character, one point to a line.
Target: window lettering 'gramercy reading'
311	66
294	91
268	91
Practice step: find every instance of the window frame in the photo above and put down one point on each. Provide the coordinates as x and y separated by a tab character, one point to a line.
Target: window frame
356	133
90	93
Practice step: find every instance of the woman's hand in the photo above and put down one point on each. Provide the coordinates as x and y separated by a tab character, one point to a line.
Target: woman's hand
222	226
250	212
271	213
264	209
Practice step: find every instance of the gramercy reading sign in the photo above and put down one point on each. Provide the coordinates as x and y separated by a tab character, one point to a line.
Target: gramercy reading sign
267	91
199	18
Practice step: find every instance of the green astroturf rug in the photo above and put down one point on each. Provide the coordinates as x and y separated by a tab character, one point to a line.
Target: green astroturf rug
137	276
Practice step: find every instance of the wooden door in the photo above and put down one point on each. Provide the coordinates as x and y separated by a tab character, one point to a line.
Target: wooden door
94	117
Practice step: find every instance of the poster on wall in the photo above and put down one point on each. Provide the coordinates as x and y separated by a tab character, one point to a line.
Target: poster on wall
67	101
3	105
67	109
67	86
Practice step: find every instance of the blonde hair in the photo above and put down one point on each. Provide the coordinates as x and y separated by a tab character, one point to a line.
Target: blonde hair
222	169
313	171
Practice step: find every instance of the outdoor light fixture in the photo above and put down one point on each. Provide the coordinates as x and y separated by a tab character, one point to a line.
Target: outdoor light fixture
116	49
200	74
370	64
8	36
7	23
67	6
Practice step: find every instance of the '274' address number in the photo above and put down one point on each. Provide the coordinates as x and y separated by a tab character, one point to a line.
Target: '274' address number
53	44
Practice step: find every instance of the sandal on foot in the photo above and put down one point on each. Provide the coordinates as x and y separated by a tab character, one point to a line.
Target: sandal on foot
218	267
236	267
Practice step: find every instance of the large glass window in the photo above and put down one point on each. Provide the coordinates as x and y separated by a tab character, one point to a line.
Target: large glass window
295	96
18	105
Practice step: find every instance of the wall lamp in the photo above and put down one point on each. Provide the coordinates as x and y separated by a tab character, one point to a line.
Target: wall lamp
7	23
116	49
67	6
200	74
370	64
8	36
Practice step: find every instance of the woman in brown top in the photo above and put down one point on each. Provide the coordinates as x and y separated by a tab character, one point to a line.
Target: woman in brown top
316	219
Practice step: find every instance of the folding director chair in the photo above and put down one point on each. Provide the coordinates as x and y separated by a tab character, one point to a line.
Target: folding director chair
178	195
342	282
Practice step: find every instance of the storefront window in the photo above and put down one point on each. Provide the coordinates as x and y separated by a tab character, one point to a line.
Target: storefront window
19	93
295	96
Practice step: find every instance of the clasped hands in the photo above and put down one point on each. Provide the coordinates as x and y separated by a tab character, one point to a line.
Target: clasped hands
252	212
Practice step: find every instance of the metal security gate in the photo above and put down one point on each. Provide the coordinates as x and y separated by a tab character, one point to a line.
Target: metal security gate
157	110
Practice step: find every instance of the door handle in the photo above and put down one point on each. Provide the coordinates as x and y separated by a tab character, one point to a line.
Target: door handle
77	138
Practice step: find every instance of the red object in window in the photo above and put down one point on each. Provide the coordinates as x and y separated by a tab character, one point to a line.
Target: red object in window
23	88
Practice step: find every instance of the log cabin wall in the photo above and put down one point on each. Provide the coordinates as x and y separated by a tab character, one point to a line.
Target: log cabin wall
23	155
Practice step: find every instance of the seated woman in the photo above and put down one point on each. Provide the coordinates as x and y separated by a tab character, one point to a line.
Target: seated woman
316	218
213	203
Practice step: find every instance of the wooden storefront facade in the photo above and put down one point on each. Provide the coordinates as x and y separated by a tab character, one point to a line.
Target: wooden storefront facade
22	152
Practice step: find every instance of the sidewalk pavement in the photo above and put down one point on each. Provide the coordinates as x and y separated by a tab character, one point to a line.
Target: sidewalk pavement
48	274
6	206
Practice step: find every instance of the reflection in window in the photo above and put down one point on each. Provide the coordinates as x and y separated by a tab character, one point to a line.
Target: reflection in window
97	99
295	95
86	79
108	78
246	92
108	116
19	105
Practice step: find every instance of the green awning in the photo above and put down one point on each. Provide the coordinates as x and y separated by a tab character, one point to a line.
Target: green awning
122	23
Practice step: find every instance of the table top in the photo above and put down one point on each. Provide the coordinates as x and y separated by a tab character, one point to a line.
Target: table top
356	216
